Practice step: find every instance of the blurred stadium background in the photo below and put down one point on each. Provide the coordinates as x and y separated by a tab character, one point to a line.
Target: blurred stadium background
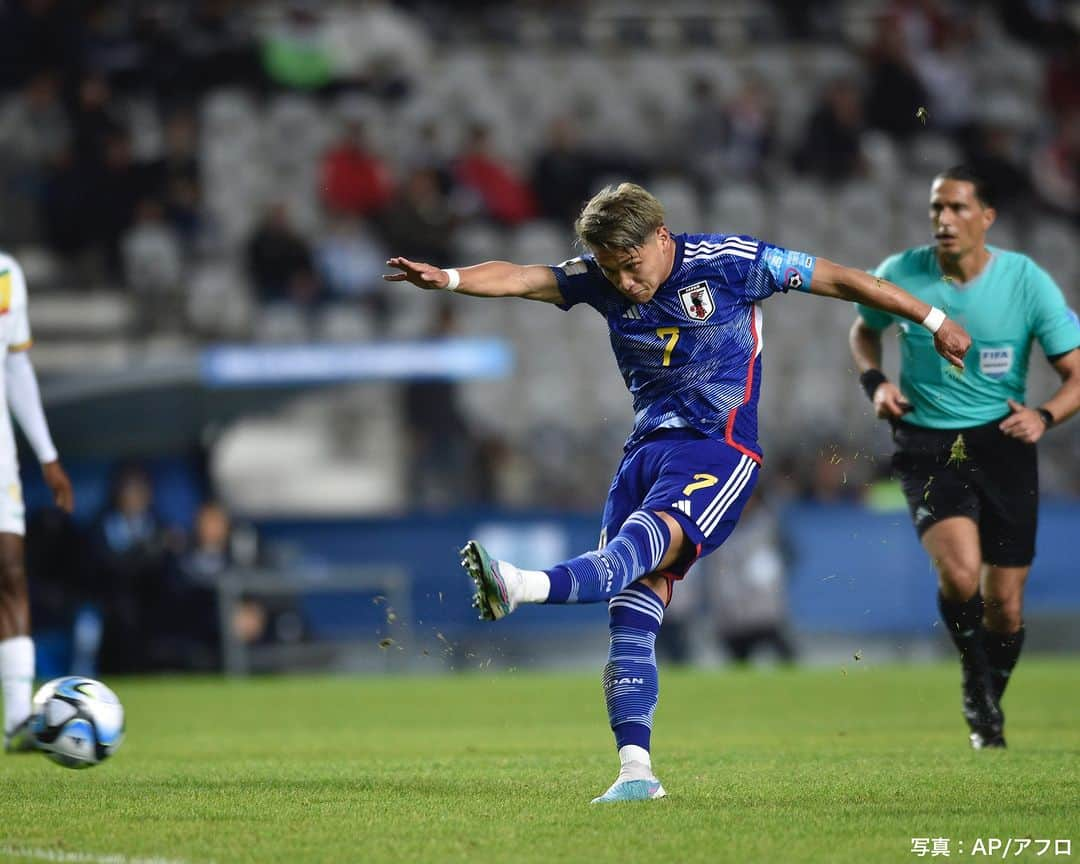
276	455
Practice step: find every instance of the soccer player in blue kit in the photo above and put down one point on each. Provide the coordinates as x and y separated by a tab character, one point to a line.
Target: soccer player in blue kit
685	325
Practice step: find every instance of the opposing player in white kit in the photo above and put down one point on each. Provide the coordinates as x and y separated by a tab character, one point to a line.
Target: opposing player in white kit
19	386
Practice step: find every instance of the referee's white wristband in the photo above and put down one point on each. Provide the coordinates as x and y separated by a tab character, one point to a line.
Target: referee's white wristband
454	277
934	319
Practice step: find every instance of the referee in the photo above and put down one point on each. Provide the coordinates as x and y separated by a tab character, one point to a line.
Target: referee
965	440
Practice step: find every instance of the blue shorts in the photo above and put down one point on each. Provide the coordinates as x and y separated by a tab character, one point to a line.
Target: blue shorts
701	482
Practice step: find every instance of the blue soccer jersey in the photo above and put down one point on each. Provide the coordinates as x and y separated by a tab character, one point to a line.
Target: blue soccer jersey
691	356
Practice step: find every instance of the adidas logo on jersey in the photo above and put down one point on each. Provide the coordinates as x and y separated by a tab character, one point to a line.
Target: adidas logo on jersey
682	506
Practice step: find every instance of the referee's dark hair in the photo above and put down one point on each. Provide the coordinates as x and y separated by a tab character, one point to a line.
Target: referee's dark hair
984	191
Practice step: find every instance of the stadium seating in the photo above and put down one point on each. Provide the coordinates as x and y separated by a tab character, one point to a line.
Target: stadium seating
256	150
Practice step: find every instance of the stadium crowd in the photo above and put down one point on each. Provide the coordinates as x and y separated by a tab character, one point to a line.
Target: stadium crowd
133	591
104	157
243	168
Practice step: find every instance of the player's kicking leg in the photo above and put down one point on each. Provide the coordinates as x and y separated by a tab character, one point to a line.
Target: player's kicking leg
636	608
16	647
643	543
500	586
663	511
630	677
707	509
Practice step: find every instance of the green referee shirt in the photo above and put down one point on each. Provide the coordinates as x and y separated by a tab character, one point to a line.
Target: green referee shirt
1010	303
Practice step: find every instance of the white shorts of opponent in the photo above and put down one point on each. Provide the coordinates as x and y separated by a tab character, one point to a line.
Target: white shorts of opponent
12	508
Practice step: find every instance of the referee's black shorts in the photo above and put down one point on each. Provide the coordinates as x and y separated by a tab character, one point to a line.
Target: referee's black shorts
993	481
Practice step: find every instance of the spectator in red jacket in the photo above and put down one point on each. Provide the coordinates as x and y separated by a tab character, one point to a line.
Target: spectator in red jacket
501	194
354	181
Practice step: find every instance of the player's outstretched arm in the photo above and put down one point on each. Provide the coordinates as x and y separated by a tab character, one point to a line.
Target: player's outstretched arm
491	279
848	283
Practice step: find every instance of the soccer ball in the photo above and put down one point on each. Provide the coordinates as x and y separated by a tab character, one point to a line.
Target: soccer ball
77	722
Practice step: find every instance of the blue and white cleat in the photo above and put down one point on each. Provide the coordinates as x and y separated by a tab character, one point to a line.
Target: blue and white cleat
632	790
494	595
629	788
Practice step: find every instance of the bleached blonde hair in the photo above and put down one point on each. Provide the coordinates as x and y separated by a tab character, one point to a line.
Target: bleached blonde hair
619	217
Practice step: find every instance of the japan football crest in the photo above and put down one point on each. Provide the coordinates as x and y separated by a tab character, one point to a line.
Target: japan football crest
697	300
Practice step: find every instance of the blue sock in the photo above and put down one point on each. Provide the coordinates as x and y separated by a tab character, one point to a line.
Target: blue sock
637	549
631	683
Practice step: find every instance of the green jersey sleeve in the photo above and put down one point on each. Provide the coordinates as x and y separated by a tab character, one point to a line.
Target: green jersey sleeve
1054	324
875	319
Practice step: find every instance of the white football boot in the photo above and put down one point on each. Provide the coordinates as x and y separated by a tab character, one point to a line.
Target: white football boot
635	782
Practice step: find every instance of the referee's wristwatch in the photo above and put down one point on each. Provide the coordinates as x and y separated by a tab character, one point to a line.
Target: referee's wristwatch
1047	417
870	380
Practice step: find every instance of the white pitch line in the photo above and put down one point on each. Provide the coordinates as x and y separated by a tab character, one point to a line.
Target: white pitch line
62	857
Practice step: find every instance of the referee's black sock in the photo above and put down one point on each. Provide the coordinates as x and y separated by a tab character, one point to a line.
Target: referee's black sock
963	621
1002	651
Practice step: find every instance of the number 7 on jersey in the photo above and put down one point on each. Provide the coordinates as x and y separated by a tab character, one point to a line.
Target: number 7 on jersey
672	336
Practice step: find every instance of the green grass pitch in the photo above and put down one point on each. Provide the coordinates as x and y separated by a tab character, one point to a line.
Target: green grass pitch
827	764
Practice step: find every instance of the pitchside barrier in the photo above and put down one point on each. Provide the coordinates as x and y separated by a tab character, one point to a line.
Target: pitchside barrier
388	594
849	571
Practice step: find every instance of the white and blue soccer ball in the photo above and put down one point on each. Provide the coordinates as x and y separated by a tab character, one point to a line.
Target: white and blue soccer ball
77	722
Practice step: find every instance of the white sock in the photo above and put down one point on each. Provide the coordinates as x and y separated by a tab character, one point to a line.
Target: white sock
535	584
16	679
631	760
